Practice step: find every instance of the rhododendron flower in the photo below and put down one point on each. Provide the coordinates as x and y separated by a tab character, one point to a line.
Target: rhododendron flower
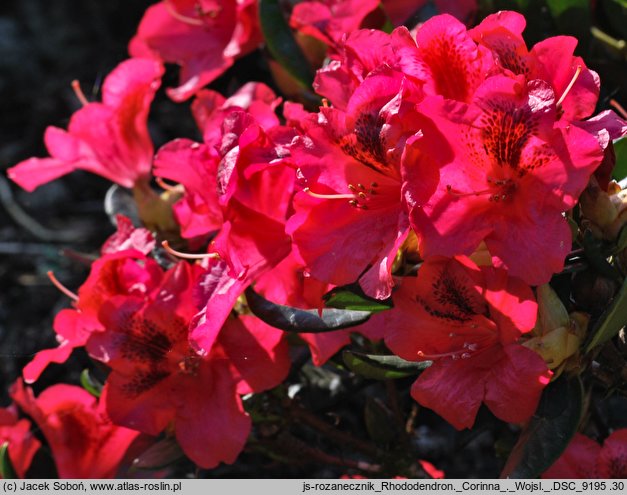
195	165
210	109
467	320
329	20
350	215
584	458
447	58
158	380
551	60
109	139
512	172
121	273
204	37
22	444
83	441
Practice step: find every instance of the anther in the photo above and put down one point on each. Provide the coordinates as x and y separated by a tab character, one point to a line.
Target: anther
570	86
325	103
187	256
374	184
62	287
76	86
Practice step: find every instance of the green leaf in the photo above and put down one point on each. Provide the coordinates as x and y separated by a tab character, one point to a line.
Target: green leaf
382	367
159	455
303	320
353	297
281	43
612	320
620	149
549	431
7	471
89	383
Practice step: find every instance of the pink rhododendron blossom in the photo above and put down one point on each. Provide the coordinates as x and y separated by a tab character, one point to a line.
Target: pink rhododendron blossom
210	108
329	20
120	273
584	458
83	441
22	444
454	65
350	215
512	172
109	138
551	60
157	379
255	189
204	37
467	320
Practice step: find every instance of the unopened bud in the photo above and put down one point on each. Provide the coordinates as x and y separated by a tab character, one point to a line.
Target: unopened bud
596	205
551	311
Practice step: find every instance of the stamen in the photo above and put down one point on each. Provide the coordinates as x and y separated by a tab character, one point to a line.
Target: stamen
619	108
328	196
62	287
164	185
188	256
325	103
180	17
450	190
76	86
452	354
570	86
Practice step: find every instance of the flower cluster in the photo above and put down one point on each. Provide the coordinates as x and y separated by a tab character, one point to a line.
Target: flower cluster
436	177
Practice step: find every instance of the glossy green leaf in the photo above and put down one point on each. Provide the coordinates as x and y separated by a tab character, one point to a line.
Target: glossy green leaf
7	471
378	367
620	149
352	297
549	431
612	320
281	43
297	320
159	455
89	383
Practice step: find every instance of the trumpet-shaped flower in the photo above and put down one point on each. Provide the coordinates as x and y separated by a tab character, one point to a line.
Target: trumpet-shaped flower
109	139
467	320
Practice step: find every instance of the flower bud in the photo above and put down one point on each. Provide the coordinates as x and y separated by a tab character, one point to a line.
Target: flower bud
551	312
596	205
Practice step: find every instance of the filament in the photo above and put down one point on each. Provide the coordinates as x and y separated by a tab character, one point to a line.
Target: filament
62	287
187	256
570	85
621	110
328	196
76	86
180	17
164	185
